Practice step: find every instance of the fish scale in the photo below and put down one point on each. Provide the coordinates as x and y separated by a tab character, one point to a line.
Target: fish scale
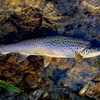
56	46
49	43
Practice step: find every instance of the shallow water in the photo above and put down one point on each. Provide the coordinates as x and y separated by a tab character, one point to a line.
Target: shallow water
62	79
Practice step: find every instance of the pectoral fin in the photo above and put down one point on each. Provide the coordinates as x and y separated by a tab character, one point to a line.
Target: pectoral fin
47	61
21	57
78	57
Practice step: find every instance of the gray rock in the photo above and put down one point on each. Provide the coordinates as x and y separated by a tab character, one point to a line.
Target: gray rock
36	95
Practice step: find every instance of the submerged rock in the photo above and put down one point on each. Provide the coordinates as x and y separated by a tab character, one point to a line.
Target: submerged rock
36	95
37	18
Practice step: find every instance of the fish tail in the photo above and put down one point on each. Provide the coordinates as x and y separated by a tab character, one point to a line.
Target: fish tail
1	51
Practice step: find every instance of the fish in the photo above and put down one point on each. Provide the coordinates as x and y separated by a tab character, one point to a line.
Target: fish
51	47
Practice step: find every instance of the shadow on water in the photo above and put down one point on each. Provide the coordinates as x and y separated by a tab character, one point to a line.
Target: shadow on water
20	36
58	74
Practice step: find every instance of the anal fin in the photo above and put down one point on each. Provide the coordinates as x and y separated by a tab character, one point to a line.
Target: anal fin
47	61
21	57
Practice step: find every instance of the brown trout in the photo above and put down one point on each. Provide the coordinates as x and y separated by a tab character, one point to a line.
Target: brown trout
57	46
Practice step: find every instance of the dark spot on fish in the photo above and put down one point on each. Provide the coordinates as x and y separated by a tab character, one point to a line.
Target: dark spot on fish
74	45
63	42
86	50
98	49
67	41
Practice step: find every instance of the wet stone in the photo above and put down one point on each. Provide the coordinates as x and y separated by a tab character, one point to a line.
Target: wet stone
36	95
45	95
31	82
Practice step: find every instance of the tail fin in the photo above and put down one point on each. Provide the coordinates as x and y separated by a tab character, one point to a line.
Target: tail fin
1	51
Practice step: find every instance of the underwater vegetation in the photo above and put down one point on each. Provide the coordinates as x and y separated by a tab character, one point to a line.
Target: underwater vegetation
9	87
